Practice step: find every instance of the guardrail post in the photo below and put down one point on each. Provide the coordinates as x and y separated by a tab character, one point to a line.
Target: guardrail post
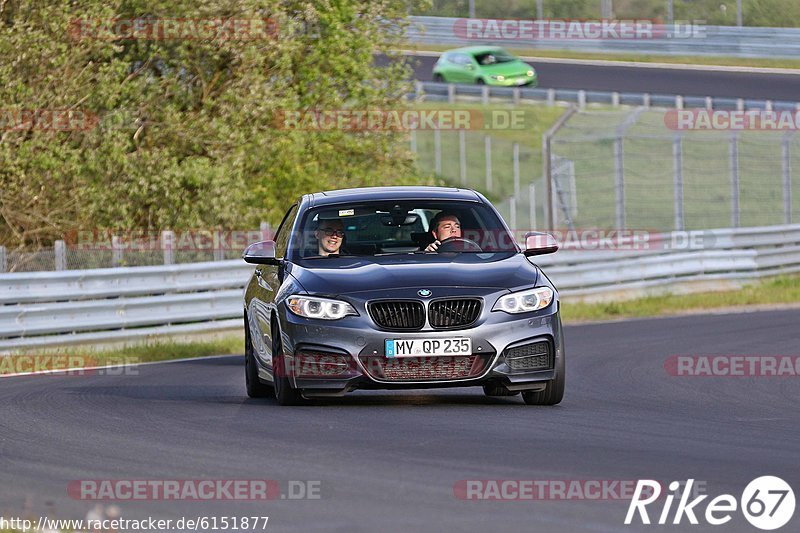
709	102
739	104
515	155
487	146
266	231
515	95
646	100
419	92
581	99
462	156
677	162
615	99
512	213
168	246
678	101
786	156
451	93
733	152
532	206
619	183
116	251
3	260
413	142
551	97
437	151
768	105
485	94
60	249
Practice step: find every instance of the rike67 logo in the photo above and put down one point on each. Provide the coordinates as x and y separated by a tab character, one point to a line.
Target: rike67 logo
767	503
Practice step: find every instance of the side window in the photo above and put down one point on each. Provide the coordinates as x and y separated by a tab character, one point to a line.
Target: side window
284	232
464	60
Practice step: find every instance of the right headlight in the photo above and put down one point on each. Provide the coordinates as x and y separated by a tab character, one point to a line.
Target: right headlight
322	308
525	301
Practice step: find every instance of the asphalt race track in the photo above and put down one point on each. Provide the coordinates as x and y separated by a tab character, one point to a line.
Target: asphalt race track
389	461
686	82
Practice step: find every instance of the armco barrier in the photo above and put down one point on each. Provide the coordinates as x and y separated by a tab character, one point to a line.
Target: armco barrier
92	306
712	41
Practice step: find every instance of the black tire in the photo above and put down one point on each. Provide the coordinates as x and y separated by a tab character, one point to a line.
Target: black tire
553	392
480	81
438	78
255	387
285	394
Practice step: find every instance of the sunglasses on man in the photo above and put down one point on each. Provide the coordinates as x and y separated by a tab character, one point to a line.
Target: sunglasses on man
331	232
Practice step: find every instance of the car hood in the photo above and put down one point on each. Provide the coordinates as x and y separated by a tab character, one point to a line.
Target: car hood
512	68
335	276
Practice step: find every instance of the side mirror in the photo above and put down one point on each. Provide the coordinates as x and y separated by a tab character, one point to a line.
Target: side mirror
261	253
537	243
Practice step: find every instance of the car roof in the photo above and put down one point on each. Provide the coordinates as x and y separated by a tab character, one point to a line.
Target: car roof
475	49
367	194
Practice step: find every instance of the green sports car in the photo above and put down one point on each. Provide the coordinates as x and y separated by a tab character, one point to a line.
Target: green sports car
489	65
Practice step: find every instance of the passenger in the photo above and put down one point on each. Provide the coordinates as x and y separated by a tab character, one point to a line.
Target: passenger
329	234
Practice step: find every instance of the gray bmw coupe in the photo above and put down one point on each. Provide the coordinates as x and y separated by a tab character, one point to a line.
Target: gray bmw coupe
400	287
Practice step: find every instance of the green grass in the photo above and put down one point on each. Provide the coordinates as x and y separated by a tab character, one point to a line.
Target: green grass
639	58
776	291
162	350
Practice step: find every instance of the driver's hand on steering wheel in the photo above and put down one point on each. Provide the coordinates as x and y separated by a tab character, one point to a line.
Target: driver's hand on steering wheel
432	247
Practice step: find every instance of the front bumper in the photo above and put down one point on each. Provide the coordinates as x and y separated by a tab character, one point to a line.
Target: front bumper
358	341
517	81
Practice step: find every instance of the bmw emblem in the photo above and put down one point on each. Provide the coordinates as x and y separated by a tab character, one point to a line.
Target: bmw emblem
424	293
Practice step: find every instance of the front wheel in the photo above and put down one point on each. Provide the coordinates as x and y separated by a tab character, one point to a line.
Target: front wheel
285	394
553	392
255	388
438	78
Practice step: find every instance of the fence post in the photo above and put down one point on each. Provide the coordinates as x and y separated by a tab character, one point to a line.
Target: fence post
168	246
678	102
677	162
733	152
512	213
619	183
437	151
451	93
3	260
419	93
485	94
532	206
60	249
515	94
615	99
413	141
739	104
646	100
786	156
516	169
581	99
709	103
551	97
116	251
462	156
487	148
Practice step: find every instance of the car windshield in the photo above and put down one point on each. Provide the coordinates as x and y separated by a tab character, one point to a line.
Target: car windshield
406	227
494	57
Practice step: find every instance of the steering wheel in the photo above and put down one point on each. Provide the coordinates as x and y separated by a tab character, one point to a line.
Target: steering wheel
459	244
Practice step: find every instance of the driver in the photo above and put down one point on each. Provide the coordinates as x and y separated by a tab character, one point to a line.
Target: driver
443	226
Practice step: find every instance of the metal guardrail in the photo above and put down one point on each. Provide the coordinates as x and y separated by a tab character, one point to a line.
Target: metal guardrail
713	41
450	92
102	305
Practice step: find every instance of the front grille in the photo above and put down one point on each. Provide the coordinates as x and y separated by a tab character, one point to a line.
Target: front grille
398	315
424	368
534	356
454	313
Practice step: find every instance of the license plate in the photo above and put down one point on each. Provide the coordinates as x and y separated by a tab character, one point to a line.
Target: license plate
425	347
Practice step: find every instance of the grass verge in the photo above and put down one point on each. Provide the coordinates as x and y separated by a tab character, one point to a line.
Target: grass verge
781	290
640	58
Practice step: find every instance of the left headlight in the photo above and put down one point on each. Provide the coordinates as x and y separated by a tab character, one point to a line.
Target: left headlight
531	72
321	308
525	301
